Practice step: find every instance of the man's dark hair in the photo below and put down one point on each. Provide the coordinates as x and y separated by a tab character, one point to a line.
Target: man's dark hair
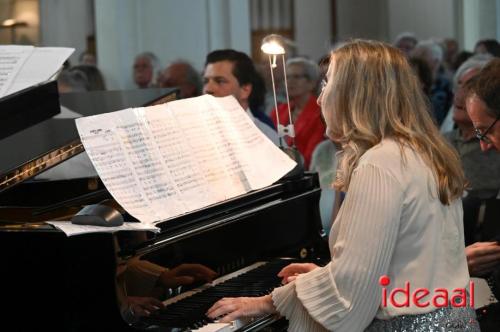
486	85
492	46
245	72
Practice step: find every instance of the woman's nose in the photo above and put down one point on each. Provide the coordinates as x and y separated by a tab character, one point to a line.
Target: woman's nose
318	101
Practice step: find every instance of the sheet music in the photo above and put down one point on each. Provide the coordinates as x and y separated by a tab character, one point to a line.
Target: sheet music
12	58
72	229
25	66
162	161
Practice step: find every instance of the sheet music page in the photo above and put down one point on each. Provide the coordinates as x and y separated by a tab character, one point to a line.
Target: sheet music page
12	58
162	161
71	229
41	65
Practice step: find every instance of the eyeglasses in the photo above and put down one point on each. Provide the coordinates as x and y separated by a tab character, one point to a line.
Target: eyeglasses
482	136
322	85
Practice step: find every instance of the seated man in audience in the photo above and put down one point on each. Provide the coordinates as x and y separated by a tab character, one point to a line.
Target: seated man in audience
482	169
145	69
229	72
483	105
182	75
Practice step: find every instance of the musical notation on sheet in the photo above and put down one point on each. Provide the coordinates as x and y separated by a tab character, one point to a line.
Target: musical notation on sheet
162	161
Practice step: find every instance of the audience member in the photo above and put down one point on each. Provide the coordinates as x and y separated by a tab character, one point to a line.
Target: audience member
406	42
95	80
424	74
72	81
451	49
302	77
182	75
461	57
324	162
482	170
87	58
229	72
483	105
441	95
146	68
491	46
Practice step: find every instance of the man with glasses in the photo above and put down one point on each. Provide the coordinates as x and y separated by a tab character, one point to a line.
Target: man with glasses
483	105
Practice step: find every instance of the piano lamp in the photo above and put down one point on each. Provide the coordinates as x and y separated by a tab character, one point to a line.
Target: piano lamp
272	45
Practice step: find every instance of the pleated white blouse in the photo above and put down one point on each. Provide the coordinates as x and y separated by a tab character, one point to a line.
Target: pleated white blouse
391	223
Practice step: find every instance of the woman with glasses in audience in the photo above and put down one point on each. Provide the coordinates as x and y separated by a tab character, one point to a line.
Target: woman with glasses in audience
302	77
401	221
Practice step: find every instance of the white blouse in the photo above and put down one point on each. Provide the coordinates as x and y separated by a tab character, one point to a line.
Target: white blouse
391	223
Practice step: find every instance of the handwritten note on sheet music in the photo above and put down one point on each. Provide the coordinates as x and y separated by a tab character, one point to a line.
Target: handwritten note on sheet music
162	161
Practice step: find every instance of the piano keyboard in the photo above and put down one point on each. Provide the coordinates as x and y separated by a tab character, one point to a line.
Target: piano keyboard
188	309
221	327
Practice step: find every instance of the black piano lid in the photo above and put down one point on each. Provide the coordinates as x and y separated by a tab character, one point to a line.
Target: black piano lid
28	107
35	149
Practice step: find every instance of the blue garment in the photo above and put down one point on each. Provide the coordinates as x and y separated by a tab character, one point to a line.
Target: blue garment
263	118
441	98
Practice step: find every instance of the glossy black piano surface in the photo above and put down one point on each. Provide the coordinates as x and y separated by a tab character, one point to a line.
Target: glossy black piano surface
52	282
71	283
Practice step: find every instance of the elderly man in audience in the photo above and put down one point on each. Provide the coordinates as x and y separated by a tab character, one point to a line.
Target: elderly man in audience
145	70
482	169
182	75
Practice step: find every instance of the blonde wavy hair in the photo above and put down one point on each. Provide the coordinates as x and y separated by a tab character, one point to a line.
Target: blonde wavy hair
372	94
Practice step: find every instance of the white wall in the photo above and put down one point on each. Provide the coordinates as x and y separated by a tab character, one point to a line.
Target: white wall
313	27
66	23
385	19
481	19
362	19
425	18
171	29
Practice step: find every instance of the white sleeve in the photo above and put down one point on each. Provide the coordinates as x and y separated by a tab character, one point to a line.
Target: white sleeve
345	294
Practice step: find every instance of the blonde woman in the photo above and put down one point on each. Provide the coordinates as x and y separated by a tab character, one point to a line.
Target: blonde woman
401	221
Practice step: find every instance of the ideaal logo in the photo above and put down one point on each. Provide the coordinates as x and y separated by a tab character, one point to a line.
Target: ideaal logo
440	297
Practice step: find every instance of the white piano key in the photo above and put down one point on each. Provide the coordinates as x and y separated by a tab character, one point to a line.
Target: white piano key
222	327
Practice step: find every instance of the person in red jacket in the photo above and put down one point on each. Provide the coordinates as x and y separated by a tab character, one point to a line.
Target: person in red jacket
302	77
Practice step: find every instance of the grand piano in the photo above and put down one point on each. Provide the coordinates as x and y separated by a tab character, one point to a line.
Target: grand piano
53	282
